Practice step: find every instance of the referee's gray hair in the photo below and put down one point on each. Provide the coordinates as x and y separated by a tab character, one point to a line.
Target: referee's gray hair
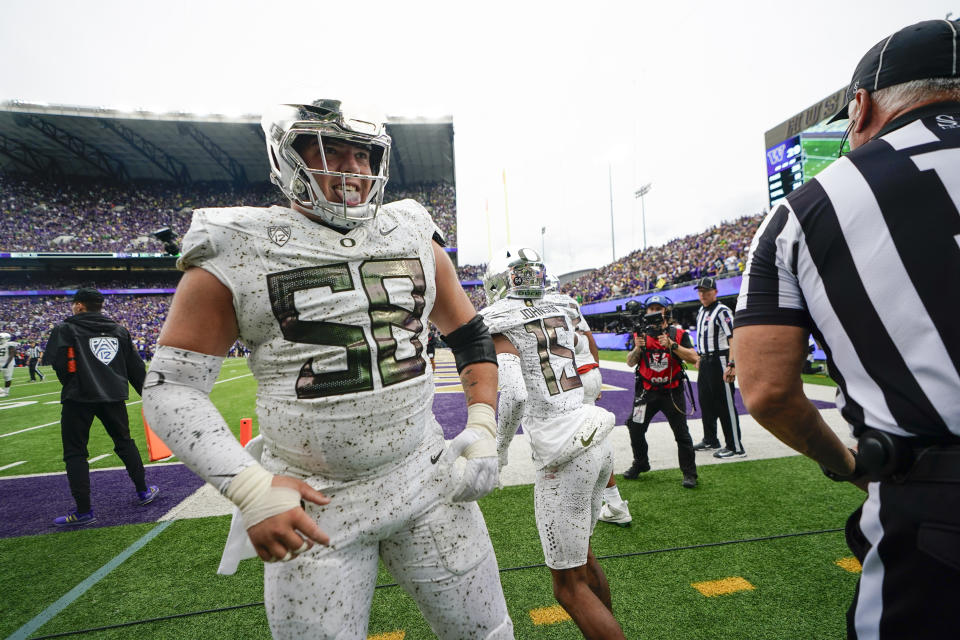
907	93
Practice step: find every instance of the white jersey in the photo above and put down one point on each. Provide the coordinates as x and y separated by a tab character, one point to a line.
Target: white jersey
336	325
543	333
7	351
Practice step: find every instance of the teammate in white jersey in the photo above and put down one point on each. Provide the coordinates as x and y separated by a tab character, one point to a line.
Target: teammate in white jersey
332	297
535	336
8	352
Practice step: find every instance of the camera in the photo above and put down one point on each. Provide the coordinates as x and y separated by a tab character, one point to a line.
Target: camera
653	324
629	318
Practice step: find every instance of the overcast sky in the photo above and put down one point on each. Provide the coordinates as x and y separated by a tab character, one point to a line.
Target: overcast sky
557	96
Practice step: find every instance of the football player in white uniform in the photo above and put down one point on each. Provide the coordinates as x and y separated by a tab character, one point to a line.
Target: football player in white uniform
8	351
332	296
535	335
615	509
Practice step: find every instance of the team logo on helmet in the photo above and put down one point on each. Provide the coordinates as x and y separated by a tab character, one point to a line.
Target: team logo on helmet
104	349
279	235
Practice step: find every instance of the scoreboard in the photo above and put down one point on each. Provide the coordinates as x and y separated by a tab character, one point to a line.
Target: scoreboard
784	169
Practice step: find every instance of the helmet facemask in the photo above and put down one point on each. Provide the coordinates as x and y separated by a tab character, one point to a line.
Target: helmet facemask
516	273
294	128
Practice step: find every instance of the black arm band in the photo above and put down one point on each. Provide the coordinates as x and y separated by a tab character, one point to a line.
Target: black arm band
472	343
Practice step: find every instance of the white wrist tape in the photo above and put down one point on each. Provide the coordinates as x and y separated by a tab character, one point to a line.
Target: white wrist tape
251	490
482	418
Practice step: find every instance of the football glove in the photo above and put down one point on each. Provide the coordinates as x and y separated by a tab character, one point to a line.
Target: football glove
472	456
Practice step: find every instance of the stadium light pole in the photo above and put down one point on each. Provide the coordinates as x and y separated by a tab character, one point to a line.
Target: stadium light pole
639	193
613	240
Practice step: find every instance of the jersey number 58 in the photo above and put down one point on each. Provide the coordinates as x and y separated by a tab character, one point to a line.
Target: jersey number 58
361	356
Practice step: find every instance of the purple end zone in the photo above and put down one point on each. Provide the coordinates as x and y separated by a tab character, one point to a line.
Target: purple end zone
29	505
451	410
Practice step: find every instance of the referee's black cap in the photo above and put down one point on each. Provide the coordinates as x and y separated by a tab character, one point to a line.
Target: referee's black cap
706	283
928	49
88	294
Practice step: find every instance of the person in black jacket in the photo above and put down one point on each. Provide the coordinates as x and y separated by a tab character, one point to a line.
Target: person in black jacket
94	358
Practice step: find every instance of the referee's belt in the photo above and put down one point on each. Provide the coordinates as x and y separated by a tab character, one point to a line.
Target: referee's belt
587	367
715	355
883	456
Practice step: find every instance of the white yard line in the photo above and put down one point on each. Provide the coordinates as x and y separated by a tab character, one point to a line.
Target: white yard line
14	464
129	404
106	455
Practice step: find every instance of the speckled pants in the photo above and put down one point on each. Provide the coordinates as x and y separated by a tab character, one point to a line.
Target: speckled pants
439	552
567	501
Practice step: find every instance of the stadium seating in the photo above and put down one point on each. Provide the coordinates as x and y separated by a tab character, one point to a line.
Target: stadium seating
98	217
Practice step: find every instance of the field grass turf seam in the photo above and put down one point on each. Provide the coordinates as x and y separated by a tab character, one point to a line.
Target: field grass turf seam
174	616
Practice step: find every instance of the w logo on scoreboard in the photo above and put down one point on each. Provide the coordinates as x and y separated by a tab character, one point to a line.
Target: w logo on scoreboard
104	349
775	155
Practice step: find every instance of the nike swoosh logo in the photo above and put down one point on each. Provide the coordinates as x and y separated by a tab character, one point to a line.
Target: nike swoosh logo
433	459
586	442
388	231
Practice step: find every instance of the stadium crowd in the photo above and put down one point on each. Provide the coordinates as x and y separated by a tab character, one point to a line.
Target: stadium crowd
71	280
717	250
31	318
471	271
74	216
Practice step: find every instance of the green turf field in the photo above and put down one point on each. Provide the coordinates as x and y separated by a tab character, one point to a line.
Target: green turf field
819	153
741	522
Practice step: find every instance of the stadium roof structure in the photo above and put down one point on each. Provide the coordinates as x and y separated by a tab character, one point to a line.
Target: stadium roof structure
103	143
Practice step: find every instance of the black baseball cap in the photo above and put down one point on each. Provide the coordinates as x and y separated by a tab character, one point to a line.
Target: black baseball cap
87	294
923	50
706	283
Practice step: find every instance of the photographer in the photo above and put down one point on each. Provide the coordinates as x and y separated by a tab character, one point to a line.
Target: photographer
658	354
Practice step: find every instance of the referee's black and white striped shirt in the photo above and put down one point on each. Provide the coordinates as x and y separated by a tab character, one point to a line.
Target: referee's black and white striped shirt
33	352
714	329
867	256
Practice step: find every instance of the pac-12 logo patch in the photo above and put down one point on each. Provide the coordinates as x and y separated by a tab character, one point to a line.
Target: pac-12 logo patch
279	235
104	349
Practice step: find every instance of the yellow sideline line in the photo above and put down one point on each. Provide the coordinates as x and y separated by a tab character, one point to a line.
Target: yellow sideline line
850	564
549	615
722	587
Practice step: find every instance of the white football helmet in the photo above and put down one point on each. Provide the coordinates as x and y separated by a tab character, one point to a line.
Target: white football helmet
325	119
5	338
514	272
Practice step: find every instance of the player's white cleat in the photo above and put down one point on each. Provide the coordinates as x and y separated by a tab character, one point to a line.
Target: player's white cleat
4	393
619	516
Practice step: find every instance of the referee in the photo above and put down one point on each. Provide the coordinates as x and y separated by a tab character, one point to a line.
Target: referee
715	380
866	255
33	355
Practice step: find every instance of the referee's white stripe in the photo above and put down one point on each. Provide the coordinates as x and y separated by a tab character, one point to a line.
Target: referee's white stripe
866	617
731	408
860	386
788	292
68	598
885	279
910	136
